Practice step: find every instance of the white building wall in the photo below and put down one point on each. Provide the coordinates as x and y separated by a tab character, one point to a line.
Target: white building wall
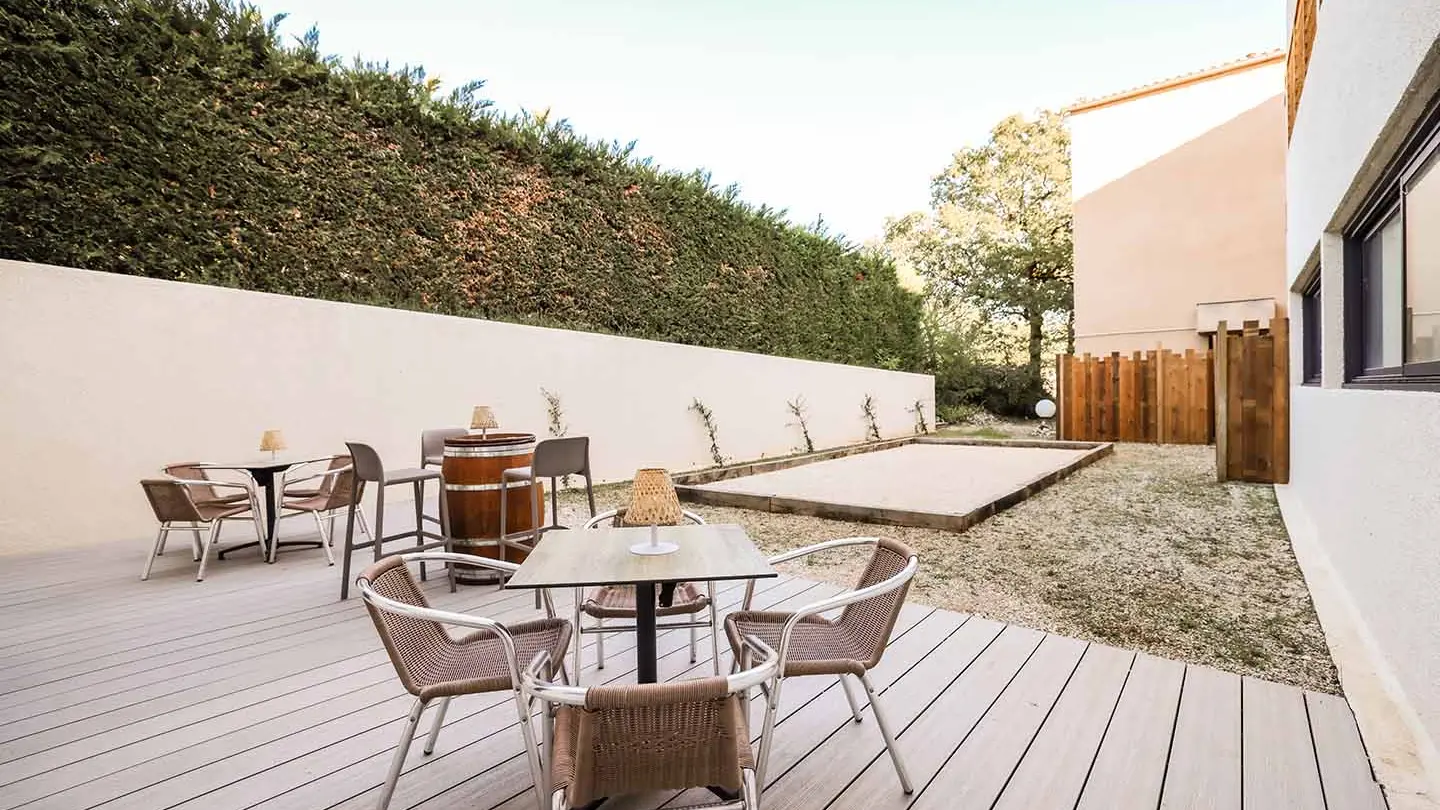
1364	497
109	377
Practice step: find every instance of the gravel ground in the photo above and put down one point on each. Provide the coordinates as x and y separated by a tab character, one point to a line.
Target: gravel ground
1142	550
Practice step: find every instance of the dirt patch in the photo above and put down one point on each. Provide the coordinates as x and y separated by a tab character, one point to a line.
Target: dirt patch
1142	550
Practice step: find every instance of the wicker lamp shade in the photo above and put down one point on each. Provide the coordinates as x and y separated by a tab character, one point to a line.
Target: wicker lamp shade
272	440
653	501
483	418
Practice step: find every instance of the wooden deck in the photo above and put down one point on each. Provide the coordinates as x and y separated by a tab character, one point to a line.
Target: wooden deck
258	688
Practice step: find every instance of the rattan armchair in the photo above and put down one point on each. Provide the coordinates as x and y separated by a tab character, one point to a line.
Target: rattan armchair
202	487
434	666
174	502
618	602
612	740
850	645
321	495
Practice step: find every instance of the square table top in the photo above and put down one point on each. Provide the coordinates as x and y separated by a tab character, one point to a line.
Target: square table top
584	557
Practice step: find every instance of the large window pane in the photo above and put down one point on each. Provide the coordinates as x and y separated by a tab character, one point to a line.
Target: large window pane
1422	263
1384	295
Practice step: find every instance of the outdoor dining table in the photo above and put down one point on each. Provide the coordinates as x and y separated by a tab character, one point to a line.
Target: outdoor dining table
264	471
595	557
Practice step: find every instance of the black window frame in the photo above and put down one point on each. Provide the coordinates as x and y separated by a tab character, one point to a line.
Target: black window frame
1311	323
1385	200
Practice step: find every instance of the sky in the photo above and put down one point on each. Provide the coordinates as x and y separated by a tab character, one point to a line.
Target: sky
835	108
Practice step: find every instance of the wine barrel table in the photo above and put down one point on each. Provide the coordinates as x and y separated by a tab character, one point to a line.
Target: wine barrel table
471	471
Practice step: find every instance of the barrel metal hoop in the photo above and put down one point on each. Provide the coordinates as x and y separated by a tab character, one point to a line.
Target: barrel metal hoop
489	452
486	487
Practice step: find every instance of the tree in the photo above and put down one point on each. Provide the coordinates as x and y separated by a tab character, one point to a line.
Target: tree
998	232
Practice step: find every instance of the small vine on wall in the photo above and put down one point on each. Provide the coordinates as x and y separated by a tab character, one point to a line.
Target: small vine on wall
800	411
872	430
556	417
919	410
707	417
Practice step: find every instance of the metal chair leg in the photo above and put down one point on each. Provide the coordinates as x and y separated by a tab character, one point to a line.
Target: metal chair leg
749	791
692	639
354	510
155	551
532	755
435	729
577	636
535	519
213	542
772	702
324	538
600	644
419	487
379	520
714	631
401	749
850	698
889	738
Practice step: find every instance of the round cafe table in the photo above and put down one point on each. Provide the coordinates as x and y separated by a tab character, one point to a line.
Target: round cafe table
265	471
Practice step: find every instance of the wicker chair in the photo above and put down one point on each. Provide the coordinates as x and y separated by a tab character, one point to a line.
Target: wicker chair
618	602
612	740
852	644
433	665
321	495
202	487
174	502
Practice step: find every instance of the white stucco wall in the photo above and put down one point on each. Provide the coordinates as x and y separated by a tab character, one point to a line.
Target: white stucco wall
1365	464
109	377
1111	142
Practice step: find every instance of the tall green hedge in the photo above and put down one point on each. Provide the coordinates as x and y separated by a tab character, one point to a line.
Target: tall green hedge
178	139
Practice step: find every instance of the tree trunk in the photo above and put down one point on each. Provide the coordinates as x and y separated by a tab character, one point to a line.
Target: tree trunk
1070	330
1036	319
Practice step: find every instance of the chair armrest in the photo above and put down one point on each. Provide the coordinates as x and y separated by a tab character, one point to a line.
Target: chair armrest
206	482
841	600
802	552
463	559
286	480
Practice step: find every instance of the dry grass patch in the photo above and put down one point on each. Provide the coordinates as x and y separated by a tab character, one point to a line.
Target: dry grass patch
1142	550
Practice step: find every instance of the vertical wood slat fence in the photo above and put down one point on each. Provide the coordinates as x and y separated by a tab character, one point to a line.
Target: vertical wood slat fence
1157	396
1252	403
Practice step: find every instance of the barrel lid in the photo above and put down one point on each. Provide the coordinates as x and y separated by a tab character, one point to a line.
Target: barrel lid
491	440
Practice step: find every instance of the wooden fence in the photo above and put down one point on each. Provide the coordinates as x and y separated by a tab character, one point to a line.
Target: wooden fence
1157	396
1252	403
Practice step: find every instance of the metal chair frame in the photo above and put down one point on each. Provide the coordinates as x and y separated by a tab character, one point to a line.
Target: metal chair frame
327	536
200	548
446	617
378	538
825	606
600	630
552	696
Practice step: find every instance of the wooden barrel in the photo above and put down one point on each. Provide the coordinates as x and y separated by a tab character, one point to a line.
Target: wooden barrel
471	471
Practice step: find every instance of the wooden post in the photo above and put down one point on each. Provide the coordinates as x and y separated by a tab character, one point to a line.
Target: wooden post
1222	398
1160	428
1060	408
1280	328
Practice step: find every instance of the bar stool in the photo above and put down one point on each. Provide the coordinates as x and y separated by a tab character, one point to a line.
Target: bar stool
432	454
369	469
553	459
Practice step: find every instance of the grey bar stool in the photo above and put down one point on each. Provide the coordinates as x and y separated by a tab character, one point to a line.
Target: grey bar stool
432	454
369	469
553	459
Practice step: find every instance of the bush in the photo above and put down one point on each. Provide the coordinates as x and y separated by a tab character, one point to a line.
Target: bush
177	139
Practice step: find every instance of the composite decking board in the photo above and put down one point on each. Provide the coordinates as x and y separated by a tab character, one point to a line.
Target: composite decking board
444	770
802	725
1279	770
935	716
90	758
85	614
1205	761
1129	768
1345	772
979	769
380	672
1053	770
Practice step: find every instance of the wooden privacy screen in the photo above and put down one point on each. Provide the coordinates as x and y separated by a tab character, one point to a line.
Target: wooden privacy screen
1252	403
1156	396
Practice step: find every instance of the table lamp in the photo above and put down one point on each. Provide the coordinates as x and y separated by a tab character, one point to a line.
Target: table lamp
274	441
483	419
653	502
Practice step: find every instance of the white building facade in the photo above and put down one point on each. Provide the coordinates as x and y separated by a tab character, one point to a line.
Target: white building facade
1363	266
